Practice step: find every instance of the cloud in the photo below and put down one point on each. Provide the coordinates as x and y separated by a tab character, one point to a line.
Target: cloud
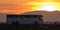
7	6
13	8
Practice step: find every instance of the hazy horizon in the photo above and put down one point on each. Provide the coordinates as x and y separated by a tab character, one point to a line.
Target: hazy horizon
48	16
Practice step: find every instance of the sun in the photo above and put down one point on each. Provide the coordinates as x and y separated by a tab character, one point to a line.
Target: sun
47	6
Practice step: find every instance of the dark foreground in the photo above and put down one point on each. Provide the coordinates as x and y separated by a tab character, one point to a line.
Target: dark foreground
29	26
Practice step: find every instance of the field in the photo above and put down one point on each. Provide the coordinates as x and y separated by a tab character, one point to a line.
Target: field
29	26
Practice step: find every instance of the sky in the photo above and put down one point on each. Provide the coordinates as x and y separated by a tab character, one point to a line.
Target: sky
22	6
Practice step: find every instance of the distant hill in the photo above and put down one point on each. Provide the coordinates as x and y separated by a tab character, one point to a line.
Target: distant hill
48	16
40	12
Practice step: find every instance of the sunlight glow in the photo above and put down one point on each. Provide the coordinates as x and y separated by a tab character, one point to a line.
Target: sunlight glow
48	6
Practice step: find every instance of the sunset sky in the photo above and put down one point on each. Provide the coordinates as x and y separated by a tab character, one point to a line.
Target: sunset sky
21	6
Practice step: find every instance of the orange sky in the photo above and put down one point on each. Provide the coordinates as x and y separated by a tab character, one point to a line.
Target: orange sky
21	6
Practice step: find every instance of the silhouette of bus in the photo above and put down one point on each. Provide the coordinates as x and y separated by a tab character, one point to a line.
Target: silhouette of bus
24	19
